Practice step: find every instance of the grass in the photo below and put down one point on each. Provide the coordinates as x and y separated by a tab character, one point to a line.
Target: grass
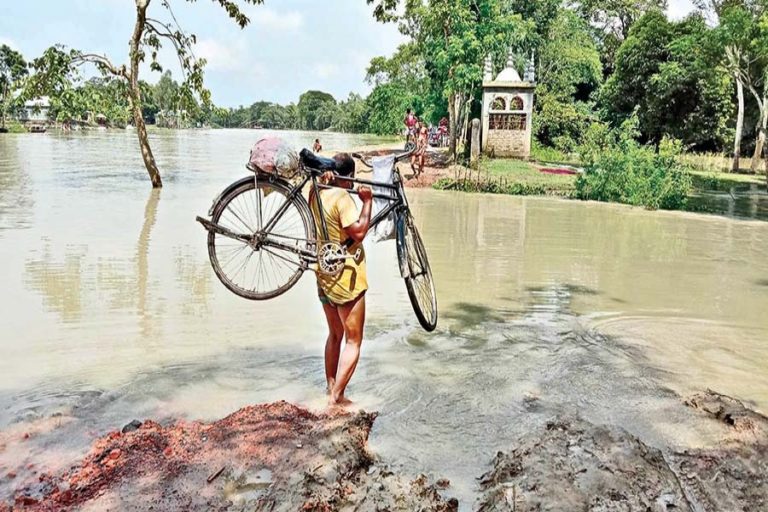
14	126
723	181
525	172
711	172
510	176
546	154
716	162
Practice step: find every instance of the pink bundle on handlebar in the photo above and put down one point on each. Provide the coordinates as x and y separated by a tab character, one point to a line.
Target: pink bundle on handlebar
274	155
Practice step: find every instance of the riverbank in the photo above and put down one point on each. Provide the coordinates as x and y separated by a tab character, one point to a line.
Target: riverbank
720	193
282	457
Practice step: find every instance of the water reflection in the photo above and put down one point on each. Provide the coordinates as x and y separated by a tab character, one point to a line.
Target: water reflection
142	265
59	281
16	199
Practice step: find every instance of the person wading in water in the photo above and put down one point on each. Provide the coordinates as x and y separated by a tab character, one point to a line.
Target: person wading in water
343	295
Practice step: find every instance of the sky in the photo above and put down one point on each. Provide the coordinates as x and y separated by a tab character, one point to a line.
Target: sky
289	47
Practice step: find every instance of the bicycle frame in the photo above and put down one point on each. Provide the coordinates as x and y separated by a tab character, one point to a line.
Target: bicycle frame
397	201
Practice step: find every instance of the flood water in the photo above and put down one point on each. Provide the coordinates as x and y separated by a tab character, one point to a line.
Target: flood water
110	310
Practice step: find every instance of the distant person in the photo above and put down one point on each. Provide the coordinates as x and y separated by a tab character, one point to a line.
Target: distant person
343	295
420	153
443	132
410	123
317	147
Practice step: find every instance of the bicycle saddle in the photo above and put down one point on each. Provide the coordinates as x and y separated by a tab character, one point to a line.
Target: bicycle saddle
317	162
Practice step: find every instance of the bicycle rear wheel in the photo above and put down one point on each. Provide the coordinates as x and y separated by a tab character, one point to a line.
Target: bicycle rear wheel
253	271
418	280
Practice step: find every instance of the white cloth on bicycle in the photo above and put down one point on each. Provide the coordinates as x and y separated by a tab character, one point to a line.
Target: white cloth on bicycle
383	167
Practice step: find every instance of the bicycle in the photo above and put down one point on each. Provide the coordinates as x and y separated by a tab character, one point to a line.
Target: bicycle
267	219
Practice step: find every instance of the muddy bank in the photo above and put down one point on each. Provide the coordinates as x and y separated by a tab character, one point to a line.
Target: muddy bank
282	457
266	457
575	465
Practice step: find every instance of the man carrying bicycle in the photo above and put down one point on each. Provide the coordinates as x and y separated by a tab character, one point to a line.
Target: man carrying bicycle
343	295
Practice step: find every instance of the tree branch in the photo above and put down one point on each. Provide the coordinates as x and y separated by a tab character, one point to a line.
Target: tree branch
101	61
177	39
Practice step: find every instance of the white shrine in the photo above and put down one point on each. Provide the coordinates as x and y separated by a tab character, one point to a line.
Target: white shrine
507	110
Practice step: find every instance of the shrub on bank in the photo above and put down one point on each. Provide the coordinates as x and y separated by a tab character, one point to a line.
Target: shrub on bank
15	127
542	153
619	169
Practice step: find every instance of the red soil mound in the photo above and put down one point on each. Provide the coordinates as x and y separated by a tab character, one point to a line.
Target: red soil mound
266	457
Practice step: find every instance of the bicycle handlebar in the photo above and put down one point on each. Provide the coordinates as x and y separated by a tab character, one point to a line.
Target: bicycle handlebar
398	158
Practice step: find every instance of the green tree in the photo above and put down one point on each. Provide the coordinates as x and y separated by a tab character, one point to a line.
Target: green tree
385	108
353	115
613	20
569	71
665	74
759	89
737	40
166	93
146	40
454	38
311	111
13	69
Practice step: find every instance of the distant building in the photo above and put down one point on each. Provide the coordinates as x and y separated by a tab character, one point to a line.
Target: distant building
36	110
507	111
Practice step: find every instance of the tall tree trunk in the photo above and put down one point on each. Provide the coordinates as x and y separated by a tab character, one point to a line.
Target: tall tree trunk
452	123
465	120
455	119
135	94
5	102
739	125
146	151
760	144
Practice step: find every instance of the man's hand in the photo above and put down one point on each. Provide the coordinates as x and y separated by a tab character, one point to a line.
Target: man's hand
365	193
358	230
327	177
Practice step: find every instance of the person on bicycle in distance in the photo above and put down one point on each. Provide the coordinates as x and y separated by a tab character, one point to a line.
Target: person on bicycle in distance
343	295
410	124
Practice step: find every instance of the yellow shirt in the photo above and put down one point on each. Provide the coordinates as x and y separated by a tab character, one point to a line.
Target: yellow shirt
340	212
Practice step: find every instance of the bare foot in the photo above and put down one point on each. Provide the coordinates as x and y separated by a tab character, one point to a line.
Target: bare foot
340	401
329	386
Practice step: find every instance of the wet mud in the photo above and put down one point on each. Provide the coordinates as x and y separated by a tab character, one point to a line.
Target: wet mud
266	457
281	457
573	464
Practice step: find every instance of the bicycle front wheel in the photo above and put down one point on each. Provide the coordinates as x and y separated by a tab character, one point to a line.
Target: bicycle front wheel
418	278
253	271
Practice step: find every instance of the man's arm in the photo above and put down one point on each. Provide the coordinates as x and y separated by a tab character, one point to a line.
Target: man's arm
357	230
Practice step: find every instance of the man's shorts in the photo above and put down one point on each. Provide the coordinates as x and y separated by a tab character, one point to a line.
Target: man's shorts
325	300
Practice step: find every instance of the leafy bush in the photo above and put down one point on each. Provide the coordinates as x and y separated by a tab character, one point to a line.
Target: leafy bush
542	153
618	169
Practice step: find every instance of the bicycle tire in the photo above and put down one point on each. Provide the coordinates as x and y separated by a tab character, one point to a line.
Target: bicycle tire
412	256
409	146
267	186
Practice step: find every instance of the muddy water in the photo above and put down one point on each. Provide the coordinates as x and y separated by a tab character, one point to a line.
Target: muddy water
110	310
